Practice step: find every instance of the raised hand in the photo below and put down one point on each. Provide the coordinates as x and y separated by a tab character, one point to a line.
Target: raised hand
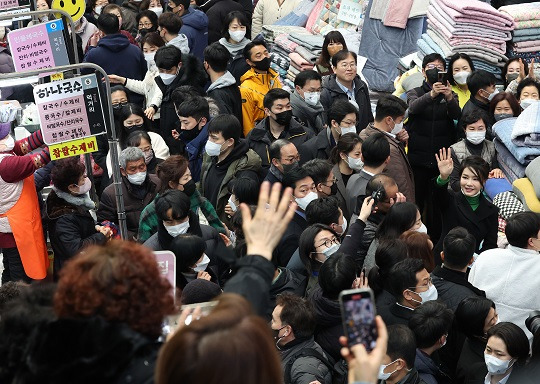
445	163
263	231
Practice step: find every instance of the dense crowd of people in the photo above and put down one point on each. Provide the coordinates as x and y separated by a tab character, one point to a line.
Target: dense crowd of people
273	202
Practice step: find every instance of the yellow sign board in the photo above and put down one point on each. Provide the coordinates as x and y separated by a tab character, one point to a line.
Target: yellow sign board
73	148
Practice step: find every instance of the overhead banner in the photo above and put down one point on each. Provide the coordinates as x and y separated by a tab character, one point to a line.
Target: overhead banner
39	46
70	109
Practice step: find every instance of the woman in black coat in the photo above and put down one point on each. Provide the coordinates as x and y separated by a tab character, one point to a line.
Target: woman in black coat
467	208
72	226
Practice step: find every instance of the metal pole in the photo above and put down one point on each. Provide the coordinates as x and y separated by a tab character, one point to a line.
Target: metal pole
111	134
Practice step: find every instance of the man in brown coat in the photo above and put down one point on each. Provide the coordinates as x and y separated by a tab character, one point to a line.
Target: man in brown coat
389	116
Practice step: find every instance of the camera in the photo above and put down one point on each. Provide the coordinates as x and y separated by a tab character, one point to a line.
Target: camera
533	322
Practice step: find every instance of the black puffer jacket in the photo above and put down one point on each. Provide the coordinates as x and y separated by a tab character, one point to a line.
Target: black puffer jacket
191	73
430	126
329	326
88	351
71	228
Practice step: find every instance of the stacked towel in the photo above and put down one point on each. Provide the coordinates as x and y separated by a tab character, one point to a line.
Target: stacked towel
282	40
526	35
468	26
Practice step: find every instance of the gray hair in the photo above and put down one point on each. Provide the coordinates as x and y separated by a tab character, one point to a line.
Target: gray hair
130	154
213	108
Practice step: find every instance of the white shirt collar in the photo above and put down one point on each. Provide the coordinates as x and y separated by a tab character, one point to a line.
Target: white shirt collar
487	380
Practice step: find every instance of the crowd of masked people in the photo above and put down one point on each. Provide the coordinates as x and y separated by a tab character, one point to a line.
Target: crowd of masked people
273	202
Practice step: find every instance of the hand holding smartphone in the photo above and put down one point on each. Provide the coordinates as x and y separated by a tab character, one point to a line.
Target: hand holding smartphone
358	316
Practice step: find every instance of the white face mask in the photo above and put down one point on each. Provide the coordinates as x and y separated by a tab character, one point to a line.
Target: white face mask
527	102
385	376
476	137
330	251
497	366
312	98
429	295
85	187
167	78
461	77
178	229
304	201
9	143
492	95
237	36
149	57
355	164
343	226
397	128
98	9
233	206
213	149
345	130
202	265
157	10
137	178
422	229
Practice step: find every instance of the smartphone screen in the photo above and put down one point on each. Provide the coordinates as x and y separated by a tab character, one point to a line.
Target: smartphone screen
358	314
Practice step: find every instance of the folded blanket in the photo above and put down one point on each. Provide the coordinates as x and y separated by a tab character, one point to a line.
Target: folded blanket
525	44
397	13
520	12
478	9
299	15
283	41
437	17
527	24
281	71
307	40
522	154
378	9
301	67
294	71
527	132
519	39
526	32
457	42
526	56
508	163
306	54
281	61
299	60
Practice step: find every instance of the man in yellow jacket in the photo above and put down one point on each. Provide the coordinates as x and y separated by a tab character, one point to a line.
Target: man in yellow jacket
255	83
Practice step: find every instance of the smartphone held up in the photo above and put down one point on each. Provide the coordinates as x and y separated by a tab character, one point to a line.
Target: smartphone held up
358	316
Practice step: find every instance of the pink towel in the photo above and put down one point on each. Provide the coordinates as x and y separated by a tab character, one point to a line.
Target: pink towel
478	9
397	13
299	60
527	44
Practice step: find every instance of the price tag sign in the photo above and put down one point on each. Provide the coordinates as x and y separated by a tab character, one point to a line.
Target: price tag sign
166	261
73	148
70	109
38	46
350	12
12	4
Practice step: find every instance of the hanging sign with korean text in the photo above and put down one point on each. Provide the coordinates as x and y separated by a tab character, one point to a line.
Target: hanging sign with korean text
38	46
70	109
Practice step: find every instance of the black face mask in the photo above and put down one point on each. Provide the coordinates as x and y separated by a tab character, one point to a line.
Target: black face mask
432	75
333	189
189	135
288	167
119	105
284	118
189	187
134	127
511	76
169	8
144	31
263	65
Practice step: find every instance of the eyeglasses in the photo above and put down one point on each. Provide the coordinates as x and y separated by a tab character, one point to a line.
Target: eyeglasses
429	284
347	65
119	105
328	242
431	66
145	25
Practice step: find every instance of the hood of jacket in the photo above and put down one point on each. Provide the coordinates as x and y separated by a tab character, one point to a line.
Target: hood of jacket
327	310
259	133
224	81
83	351
289	281
191	73
180	42
234	49
114	43
300	102
195	19
240	150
